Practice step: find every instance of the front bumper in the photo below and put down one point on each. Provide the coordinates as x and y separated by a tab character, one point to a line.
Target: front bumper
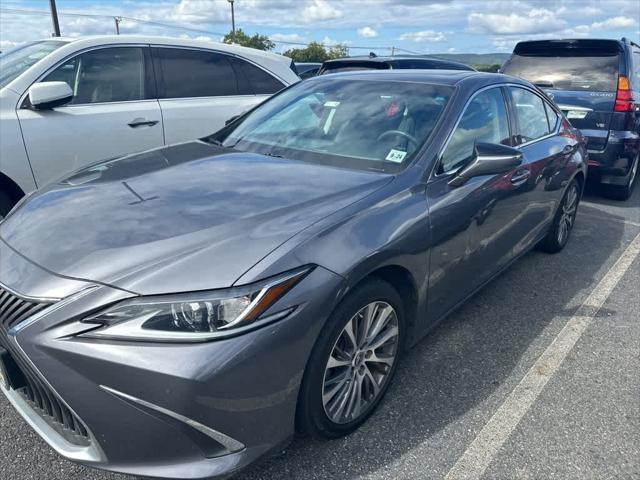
171	410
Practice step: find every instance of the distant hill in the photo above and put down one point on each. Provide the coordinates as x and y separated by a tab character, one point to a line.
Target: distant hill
475	58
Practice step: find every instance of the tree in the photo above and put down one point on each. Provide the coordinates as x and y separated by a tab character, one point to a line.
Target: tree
261	42
316	52
338	51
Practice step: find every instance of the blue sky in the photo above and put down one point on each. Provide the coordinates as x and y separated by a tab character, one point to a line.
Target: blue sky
420	26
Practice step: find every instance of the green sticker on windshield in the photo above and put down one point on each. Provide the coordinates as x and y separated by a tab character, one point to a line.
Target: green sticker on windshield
396	155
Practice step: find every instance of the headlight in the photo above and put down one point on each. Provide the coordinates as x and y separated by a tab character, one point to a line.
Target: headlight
195	317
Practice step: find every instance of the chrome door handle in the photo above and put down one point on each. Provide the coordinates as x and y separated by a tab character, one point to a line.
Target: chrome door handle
142	122
520	176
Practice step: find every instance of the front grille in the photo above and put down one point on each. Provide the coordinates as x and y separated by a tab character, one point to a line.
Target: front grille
13	310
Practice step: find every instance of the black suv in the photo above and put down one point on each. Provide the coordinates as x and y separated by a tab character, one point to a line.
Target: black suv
373	62
596	83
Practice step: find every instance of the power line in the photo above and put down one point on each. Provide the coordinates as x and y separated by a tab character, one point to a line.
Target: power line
119	18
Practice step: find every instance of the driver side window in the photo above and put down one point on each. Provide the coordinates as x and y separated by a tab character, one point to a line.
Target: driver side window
103	75
484	120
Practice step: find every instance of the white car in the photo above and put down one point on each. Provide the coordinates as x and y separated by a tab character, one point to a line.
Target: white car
68	102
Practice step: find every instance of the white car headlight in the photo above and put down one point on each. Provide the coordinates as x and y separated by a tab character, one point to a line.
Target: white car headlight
194	317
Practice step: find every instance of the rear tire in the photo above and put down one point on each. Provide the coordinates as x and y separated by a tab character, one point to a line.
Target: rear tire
623	192
563	221
346	368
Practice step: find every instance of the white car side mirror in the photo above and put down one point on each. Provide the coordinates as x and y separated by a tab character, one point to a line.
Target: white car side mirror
46	95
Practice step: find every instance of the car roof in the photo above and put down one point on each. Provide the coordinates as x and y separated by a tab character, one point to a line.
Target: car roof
387	59
94	40
441	77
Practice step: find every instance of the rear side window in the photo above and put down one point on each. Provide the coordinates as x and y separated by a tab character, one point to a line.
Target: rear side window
484	120
531	114
104	75
259	82
552	117
185	73
567	71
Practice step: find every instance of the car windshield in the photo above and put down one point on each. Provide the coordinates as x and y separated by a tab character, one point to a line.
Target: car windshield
564	72
18	60
354	123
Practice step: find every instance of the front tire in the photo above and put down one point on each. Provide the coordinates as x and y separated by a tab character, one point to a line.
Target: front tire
565	217
353	361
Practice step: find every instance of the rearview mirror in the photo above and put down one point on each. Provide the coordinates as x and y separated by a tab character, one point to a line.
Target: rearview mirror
488	159
46	95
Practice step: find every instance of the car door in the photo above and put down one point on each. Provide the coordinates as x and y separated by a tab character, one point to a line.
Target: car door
199	90
474	226
545	153
113	112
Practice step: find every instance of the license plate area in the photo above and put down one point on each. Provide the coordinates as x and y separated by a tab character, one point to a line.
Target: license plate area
11	377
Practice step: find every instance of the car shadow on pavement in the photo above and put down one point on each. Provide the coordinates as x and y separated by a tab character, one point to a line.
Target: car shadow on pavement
450	383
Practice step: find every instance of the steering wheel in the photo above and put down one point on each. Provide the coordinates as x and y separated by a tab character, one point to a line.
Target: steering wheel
400	133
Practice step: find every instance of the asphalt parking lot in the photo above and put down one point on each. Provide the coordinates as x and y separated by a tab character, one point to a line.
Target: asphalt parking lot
536	377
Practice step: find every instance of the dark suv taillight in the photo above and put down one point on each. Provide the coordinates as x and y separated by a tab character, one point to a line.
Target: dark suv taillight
624	96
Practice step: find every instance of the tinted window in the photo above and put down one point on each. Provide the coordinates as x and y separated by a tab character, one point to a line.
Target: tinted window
484	120
532	117
104	75
564	72
351	123
195	73
259	81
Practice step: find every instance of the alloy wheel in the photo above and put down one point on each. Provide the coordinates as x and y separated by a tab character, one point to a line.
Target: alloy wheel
360	362
568	213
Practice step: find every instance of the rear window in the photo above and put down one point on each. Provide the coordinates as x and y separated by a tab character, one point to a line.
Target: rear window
336	67
573	70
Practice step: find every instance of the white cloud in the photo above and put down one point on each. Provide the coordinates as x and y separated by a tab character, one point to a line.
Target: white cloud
614	23
287	37
424	36
367	32
320	10
534	21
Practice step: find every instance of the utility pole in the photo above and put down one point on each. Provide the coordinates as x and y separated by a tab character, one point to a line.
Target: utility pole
233	19
117	20
393	51
54	18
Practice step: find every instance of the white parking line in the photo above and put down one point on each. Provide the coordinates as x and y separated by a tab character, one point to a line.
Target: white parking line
483	449
609	218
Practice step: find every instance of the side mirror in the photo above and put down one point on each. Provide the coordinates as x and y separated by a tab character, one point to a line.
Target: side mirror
488	159
46	95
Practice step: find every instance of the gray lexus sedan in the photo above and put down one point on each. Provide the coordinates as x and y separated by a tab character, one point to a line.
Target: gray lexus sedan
181	312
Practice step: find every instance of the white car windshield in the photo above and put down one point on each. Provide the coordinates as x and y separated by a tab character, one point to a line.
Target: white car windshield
19	59
356	123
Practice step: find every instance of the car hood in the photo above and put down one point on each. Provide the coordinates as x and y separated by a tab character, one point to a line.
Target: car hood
182	218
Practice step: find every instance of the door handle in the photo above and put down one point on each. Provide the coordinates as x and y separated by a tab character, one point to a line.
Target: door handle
520	176
142	122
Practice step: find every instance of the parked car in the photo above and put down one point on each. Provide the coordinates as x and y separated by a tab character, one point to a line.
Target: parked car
178	312
373	62
596	83
65	103
307	70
